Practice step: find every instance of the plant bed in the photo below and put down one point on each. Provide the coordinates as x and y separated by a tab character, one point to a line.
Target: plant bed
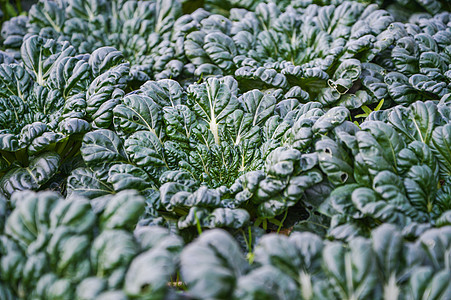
171	149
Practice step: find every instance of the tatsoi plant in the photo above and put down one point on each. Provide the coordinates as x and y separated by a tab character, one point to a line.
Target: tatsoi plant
418	64
48	102
396	169
141	30
56	248
304	266
175	139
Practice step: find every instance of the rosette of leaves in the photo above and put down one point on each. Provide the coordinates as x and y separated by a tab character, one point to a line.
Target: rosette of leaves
322	54
166	134
139	29
418	66
395	170
48	102
54	248
304	266
206	156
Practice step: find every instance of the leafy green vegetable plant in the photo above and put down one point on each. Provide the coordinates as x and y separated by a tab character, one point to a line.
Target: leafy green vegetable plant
48	103
394	170
303	266
53	248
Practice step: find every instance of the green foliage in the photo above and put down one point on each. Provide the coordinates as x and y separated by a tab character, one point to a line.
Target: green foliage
392	171
303	266
54	247
219	158
48	102
141	30
325	123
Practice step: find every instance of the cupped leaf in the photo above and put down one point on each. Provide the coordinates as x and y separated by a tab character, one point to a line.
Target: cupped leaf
211	265
39	171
